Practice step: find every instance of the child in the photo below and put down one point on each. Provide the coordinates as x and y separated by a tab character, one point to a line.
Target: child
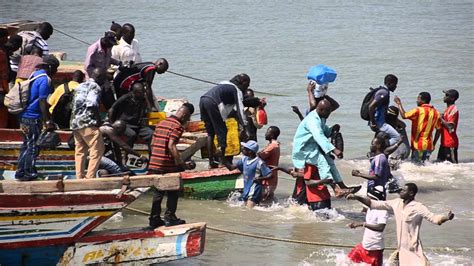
379	167
271	156
254	171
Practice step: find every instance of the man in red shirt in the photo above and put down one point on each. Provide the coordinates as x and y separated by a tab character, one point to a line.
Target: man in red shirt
448	150
271	156
164	159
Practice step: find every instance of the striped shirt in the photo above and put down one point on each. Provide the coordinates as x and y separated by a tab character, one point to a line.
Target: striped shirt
161	158
424	119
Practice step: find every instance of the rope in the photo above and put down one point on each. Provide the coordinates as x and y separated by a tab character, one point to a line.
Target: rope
72	37
294	241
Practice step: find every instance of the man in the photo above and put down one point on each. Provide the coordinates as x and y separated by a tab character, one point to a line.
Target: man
7	46
99	56
370	251
140	72
403	150
85	122
127	49
131	108
111	162
165	158
378	108
408	217
311	146
12	46
117	28
28	64
32	39
424	119
77	78
448	150
34	117
215	106
379	172
271	156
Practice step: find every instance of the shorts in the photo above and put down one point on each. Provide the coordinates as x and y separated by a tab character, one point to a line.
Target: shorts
359	254
448	154
325	204
255	193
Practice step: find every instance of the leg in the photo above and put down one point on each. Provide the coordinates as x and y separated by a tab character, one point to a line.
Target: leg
94	140
31	129
146	133
110	166
155	219
250	204
454	155
442	154
393	136
81	151
131	134
171	204
209	129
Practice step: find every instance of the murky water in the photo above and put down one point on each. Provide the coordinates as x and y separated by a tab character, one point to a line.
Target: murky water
428	45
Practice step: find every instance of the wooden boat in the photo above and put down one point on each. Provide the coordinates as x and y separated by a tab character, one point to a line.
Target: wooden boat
42	223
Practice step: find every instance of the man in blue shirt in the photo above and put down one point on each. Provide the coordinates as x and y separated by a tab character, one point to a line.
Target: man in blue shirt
254	171
33	118
378	107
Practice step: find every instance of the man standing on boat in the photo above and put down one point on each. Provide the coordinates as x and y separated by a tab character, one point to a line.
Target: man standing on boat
408	217
140	72
99	55
34	117
216	105
165	158
85	122
127	49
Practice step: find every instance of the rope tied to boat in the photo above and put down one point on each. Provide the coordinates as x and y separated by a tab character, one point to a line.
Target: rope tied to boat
296	241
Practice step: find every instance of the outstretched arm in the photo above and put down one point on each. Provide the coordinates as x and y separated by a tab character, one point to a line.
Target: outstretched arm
297	111
400	106
373	227
365	176
364	200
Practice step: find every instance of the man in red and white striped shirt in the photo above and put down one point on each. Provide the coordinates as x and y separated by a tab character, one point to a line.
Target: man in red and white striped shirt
164	159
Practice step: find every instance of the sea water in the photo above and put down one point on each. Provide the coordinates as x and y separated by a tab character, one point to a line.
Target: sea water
427	44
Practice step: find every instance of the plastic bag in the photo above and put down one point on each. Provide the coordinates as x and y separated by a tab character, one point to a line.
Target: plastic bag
48	140
322	74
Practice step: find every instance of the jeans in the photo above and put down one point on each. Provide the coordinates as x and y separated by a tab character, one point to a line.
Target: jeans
31	130
110	166
393	135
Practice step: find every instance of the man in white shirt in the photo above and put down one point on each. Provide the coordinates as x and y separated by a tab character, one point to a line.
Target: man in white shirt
370	251
127	49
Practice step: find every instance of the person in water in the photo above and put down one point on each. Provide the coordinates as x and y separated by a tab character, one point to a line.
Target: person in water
408	217
271	156
448	150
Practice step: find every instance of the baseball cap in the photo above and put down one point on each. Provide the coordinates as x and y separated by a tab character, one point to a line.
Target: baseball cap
111	36
376	193
452	93
251	145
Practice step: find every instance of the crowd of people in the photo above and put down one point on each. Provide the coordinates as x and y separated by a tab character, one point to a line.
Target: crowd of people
117	81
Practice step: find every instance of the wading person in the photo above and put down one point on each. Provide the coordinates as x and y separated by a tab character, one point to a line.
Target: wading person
34	117
424	119
131	108
408	217
254	171
165	158
271	156
448	149
140	72
215	106
85	122
403	150
378	108
311	146
370	251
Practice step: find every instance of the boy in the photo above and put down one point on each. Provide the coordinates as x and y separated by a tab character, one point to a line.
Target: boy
254	170
370	251
379	167
448	150
271	156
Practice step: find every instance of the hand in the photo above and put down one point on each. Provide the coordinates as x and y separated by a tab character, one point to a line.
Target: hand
144	158
294	173
49	125
397	100
355	172
354	225
374	127
311	86
338	153
190	165
336	128
274	168
295	109
351	196
450	215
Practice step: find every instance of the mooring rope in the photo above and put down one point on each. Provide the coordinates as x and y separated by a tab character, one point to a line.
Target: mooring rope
295	241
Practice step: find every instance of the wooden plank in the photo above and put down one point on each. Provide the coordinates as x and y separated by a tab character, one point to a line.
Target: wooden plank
162	182
196	146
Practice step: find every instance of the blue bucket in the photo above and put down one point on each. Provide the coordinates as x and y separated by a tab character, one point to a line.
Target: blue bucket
322	74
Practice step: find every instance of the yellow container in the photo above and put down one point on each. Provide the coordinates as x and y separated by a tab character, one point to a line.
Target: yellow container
233	140
155	117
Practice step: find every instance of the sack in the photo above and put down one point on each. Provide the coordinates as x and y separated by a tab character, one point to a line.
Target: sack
364	108
48	140
62	111
29	39
261	117
321	74
16	100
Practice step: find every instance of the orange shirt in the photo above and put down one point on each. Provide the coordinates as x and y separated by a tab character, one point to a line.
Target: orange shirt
271	156
424	119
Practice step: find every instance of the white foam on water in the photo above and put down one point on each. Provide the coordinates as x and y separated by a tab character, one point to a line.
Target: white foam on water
444	172
447	259
329	256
